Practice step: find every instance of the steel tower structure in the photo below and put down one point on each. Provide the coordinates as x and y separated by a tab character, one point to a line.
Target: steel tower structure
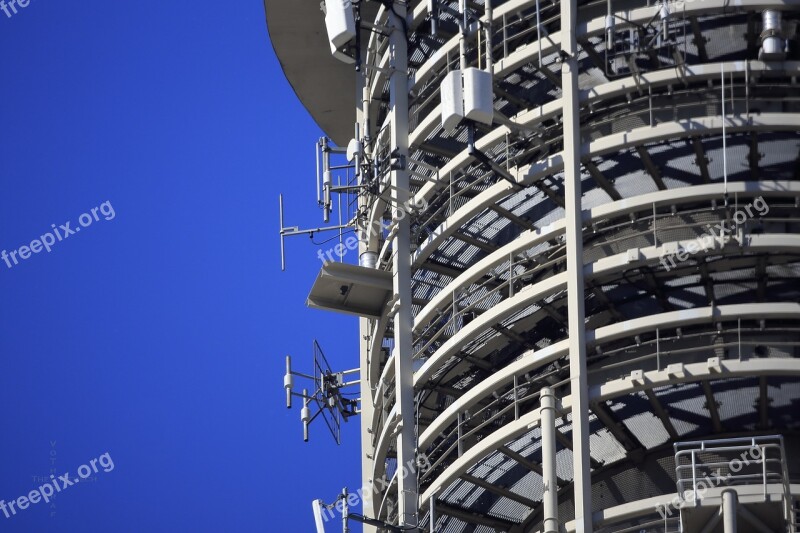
581	310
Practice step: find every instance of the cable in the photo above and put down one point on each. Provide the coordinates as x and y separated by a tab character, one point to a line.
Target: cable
311	236
378	523
389	4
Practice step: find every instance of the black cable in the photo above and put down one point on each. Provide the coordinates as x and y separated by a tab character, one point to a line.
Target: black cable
329	240
389	4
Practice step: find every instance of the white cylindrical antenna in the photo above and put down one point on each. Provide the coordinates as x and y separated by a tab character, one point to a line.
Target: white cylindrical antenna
609	28
326	181
316	505
305	415
345	528
288	381
283	251
319	184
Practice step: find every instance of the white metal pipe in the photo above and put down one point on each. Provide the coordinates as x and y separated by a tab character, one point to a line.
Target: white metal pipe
488	33
772	44
407	487
288	381
550	480
576	314
462	38
724	135
729	504
432	514
539	33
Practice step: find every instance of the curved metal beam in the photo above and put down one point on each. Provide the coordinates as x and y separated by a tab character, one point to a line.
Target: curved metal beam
533	360
531	238
669	130
691	373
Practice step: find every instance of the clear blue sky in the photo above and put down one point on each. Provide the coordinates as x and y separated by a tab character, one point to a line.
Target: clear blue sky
158	336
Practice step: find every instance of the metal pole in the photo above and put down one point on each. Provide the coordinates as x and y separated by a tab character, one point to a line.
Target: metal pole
516	399
575	282
432	513
288	381
539	34
658	350
764	468
462	38
367	244
401	269
345	528
488	45
729	503
724	135
459	436
550	496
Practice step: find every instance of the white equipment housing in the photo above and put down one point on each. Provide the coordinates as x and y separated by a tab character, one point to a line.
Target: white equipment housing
452	100
478	96
340	21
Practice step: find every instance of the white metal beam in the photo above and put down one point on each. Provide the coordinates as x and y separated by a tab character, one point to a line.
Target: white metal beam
401	273
727	369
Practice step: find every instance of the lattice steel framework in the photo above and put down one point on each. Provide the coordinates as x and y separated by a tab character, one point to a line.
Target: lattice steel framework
611	267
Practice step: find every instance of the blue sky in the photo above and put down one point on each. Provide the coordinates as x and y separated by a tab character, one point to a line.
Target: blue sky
158	336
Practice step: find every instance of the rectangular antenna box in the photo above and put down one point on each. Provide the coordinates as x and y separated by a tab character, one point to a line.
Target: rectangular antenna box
340	22
478	96
452	100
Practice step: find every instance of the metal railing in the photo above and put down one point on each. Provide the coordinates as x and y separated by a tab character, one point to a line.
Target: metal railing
701	465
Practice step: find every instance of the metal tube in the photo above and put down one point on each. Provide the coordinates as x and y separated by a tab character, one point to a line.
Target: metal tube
488	45
539	33
326	181
729	503
724	136
345	527
432	514
459	436
407	492
576	314
319	185
516	399
772	45
764	469
550	496
505	37
288	381
283	247
462	38
305	415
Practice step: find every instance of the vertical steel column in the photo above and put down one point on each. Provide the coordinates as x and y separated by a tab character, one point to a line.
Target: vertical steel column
401	270
575	281
367	243
550	479
729	504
